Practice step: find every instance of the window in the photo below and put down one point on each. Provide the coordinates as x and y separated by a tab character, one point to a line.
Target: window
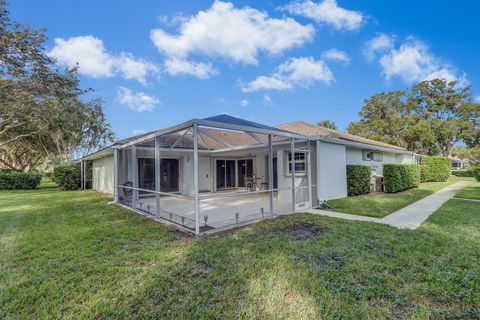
368	155
372	156
377	156
300	163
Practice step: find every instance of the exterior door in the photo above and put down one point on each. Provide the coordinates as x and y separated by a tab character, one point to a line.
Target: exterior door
169	175
225	170
275	173
244	171
146	174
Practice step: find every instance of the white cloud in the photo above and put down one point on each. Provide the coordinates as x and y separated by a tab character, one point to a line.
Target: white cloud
266	83
380	43
88	52
244	102
477	99
220	100
293	72
132	68
328	12
413	62
267	100
237	34
336	55
173	21
95	61
138	132
137	101
175	66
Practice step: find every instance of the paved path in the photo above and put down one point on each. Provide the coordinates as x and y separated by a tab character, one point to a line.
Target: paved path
411	216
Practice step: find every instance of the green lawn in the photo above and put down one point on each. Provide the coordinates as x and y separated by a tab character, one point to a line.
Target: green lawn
381	205
70	255
470	192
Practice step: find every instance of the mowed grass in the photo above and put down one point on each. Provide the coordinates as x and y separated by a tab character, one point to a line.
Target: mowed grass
471	191
68	254
381	205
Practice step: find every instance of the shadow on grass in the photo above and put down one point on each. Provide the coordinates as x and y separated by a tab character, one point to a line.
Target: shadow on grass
94	260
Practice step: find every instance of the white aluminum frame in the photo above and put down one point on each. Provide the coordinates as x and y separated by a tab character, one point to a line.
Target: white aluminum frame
199	127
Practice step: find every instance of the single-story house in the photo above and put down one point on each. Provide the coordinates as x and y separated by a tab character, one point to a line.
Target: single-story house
458	164
209	174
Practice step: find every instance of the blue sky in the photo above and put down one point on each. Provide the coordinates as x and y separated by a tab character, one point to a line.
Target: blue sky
159	63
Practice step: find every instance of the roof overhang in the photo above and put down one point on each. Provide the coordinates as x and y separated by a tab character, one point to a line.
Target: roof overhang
360	145
215	125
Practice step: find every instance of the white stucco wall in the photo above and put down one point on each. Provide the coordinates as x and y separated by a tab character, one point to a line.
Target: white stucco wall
404	158
355	156
331	171
186	174
285	179
205	180
102	170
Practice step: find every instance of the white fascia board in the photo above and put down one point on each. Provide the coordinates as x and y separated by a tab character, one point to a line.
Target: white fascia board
360	145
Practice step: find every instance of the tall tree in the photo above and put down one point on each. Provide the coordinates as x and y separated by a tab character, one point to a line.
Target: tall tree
472	155
43	113
327	124
430	118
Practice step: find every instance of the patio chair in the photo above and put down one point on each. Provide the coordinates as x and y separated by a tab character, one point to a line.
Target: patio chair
128	193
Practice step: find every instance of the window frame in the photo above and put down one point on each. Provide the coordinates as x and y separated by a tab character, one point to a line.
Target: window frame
377	156
288	163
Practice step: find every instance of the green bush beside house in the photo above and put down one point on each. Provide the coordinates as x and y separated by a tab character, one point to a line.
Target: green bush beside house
400	177
435	169
358	179
67	177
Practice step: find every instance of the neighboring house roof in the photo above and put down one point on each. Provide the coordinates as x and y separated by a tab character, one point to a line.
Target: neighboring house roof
312	130
216	139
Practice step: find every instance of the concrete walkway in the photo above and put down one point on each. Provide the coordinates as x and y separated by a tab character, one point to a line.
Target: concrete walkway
411	216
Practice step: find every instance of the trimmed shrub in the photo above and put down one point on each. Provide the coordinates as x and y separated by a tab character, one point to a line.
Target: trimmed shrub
463	173
12	180
49	175
358	179
435	169
476	173
67	177
400	177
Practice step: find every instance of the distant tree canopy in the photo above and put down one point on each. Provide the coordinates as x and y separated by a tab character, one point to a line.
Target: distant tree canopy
470	154
42	111
327	124
430	118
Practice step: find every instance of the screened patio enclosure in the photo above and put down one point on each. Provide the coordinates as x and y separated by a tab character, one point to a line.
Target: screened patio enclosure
207	175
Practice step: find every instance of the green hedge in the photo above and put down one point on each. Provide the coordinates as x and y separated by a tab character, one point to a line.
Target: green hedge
67	177
463	173
11	180
358	179
399	177
476	173
435	169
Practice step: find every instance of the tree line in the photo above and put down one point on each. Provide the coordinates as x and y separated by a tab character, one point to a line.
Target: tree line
45	116
434	117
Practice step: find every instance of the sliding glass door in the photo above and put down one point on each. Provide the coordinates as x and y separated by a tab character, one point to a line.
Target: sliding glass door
225	170
169	174
245	173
